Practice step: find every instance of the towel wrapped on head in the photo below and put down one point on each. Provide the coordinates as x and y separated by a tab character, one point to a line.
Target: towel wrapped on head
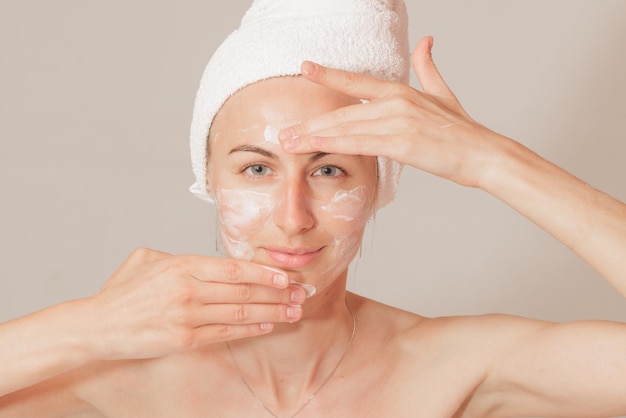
275	36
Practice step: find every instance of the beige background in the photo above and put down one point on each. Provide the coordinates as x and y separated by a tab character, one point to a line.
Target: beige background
95	104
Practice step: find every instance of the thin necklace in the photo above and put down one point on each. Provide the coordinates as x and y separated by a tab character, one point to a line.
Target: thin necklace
332	372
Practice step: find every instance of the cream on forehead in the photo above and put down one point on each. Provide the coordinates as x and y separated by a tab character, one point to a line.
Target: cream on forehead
270	134
372	38
387	170
270	131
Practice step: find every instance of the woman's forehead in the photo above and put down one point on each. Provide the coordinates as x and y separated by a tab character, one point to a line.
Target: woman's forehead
276	102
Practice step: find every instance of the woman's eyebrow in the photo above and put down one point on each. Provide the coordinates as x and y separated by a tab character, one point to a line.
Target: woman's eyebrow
252	148
318	155
268	154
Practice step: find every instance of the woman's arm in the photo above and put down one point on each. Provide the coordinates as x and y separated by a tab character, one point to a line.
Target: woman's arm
43	345
577	369
154	305
588	221
541	369
432	132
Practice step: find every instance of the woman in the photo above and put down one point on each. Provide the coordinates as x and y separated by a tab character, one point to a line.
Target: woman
175	325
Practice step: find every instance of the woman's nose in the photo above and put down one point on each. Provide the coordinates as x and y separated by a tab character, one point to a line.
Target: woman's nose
293	214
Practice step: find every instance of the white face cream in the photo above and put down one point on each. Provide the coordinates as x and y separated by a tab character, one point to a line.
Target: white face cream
284	210
246	216
250	216
270	133
347	204
242	214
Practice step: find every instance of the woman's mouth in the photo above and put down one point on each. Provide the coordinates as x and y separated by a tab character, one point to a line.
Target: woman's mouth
292	257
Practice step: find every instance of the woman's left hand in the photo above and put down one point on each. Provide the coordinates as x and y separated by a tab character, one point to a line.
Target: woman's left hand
428	130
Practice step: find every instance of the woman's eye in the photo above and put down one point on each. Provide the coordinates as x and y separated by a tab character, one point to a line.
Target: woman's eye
258	170
328	171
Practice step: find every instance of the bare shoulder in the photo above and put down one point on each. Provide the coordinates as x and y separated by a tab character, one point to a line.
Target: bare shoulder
372	313
472	330
472	342
442	361
91	391
83	392
55	397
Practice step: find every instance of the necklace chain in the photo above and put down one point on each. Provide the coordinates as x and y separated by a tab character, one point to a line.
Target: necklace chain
332	372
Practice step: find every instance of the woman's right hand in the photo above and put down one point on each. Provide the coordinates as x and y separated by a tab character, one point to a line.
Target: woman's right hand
155	304
158	304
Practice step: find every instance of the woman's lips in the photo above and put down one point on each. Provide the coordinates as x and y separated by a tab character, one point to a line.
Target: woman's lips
292	257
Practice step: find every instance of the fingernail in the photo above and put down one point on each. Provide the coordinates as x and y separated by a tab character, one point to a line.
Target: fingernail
297	297
290	144
286	133
309	69
294	311
317	141
280	279
309	289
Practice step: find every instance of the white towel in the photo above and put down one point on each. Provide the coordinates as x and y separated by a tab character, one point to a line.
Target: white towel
275	36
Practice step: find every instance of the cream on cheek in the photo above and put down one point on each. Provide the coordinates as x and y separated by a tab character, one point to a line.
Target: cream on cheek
347	205
340	218
246	216
242	214
351	209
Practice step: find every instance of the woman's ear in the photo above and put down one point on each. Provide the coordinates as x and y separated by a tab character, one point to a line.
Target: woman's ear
208	185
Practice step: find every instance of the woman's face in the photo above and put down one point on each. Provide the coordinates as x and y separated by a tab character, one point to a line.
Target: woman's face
304	214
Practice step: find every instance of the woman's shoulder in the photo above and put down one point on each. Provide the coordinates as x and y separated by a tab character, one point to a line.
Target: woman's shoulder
377	315
57	396
82	391
468	335
446	357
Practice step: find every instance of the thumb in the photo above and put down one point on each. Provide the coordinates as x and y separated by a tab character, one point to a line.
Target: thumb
426	71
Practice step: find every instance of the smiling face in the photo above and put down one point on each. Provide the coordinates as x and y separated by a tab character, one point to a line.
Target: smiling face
302	213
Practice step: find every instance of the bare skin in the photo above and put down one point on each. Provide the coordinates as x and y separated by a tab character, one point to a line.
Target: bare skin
400	364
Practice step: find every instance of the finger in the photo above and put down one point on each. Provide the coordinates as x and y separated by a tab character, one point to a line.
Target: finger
229	270
363	144
248	293
427	73
246	313
209	334
353	84
390	127
345	114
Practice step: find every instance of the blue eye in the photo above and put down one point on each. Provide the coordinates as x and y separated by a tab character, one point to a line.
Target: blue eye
258	170
328	171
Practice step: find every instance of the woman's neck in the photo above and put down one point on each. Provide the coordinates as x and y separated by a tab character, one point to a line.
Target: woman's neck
291	362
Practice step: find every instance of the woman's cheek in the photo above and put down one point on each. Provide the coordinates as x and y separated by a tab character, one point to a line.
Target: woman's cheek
347	210
242	213
342	216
